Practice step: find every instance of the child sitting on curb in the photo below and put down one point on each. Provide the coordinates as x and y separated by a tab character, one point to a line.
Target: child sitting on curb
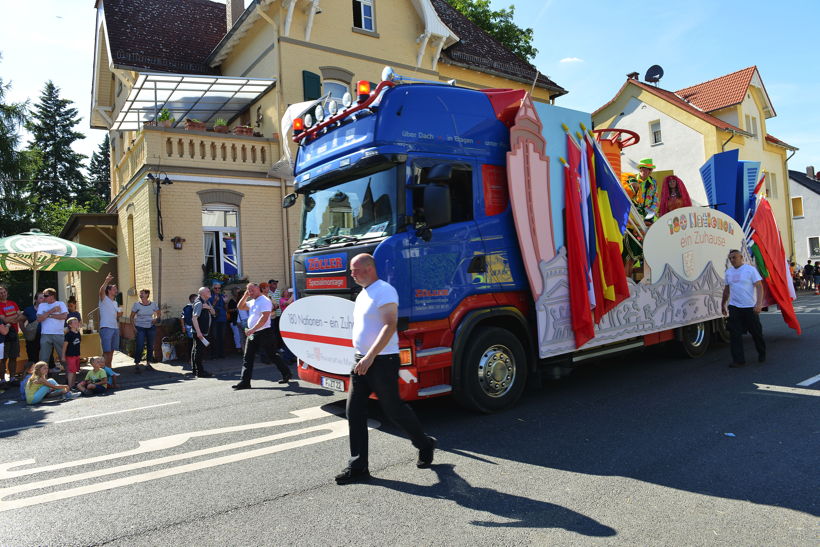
71	350
96	380
39	386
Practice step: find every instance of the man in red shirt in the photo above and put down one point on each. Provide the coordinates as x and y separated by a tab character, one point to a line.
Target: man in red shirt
10	313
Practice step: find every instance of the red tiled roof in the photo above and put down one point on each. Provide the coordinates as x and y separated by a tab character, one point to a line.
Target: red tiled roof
479	51
721	92
774	140
164	36
673	98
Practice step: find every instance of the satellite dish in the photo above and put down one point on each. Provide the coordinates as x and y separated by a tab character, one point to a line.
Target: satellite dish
654	74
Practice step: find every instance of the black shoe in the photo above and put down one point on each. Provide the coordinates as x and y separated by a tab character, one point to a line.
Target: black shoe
350	475
204	374
137	369
737	365
285	380
761	358
149	368
241	385
426	454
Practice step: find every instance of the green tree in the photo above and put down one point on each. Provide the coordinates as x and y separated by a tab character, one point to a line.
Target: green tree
53	215
59	176
498	24
14	207
96	193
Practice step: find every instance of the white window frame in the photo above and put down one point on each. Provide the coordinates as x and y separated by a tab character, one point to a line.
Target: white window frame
751	125
808	246
372	18
802	210
345	85
220	230
655	135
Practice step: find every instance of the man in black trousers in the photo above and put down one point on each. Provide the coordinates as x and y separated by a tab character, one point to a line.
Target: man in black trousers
375	316
260	335
201	317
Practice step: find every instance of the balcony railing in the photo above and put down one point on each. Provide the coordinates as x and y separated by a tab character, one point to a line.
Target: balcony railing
175	148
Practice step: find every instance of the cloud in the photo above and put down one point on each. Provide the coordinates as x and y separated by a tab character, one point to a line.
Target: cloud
571	60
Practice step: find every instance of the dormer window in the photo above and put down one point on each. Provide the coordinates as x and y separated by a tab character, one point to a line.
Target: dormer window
363	15
751	125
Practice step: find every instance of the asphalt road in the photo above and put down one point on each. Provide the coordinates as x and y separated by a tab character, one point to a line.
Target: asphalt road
648	449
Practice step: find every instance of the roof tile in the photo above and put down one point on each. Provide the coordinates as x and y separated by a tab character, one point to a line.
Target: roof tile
720	92
164	36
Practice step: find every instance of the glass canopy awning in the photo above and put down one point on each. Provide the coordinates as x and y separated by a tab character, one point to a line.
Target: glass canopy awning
204	98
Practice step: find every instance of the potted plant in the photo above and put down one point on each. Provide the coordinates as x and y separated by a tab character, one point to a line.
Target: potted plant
164	119
220	125
245	130
192	124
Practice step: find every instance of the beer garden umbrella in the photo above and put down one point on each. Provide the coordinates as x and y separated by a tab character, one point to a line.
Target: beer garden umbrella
42	252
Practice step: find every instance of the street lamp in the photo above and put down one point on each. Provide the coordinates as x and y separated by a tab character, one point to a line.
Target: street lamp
159	180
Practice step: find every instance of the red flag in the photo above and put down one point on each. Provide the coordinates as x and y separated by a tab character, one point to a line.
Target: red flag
577	264
759	184
610	264
768	241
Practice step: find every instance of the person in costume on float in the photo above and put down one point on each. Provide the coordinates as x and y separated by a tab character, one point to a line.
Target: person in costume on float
643	190
673	195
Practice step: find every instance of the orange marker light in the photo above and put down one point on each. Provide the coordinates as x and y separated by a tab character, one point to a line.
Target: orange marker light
298	126
363	90
405	357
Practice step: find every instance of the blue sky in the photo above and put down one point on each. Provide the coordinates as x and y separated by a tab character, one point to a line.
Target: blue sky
586	47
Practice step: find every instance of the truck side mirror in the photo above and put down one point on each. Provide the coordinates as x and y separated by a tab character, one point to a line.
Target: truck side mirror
288	200
437	211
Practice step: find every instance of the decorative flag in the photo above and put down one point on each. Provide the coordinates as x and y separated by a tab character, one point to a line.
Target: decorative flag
595	292
577	264
770	247
760	183
613	276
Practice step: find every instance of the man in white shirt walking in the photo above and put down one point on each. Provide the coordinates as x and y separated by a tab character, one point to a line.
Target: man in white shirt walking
742	302
375	318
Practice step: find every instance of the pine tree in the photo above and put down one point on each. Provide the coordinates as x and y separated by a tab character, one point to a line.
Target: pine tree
97	192
15	214
59	177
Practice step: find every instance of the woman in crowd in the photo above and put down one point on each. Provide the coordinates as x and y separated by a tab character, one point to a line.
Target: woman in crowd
144	317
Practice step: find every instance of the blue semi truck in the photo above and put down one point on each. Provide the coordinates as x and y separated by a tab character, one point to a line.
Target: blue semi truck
416	174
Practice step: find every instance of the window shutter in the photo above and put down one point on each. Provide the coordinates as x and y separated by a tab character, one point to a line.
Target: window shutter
312	84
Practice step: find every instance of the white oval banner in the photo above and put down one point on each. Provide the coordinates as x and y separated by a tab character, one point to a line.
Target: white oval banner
318	330
689	238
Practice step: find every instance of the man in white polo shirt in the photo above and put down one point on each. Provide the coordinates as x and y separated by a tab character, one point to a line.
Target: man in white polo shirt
260	336
109	312
744	295
375	318
51	314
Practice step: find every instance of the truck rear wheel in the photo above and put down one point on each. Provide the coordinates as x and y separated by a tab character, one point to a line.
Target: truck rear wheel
493	370
694	339
722	330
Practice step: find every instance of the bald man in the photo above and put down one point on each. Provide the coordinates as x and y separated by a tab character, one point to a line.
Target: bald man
375	316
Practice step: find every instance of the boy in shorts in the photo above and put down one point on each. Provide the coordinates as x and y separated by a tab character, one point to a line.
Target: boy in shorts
71	350
96	380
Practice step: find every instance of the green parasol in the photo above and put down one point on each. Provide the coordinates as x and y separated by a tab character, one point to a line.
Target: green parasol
41	252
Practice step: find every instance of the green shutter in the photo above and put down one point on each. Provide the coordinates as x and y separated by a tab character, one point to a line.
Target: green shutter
312	85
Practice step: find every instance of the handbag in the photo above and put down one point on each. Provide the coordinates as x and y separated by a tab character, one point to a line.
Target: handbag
30	331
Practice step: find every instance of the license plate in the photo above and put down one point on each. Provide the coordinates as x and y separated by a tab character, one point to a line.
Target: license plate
333	383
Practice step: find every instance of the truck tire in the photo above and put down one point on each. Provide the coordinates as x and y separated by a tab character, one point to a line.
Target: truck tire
493	370
722	330
694	339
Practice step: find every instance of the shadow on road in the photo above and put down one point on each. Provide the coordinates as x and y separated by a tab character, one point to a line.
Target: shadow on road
522	512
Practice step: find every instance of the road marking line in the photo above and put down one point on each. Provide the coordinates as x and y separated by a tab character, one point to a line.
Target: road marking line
790	390
42	424
332	430
810	381
160	443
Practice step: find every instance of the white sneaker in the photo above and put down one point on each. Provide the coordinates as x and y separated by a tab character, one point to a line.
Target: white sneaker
68	396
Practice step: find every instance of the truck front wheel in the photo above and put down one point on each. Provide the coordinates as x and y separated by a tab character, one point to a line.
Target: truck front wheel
694	339
493	370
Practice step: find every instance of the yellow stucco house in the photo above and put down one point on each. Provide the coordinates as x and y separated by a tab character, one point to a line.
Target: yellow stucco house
190	201
682	129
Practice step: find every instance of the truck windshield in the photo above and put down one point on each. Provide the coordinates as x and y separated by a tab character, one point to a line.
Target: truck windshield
360	208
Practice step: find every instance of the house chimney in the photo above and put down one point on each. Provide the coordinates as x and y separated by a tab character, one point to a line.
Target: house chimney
233	9
632	76
810	171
